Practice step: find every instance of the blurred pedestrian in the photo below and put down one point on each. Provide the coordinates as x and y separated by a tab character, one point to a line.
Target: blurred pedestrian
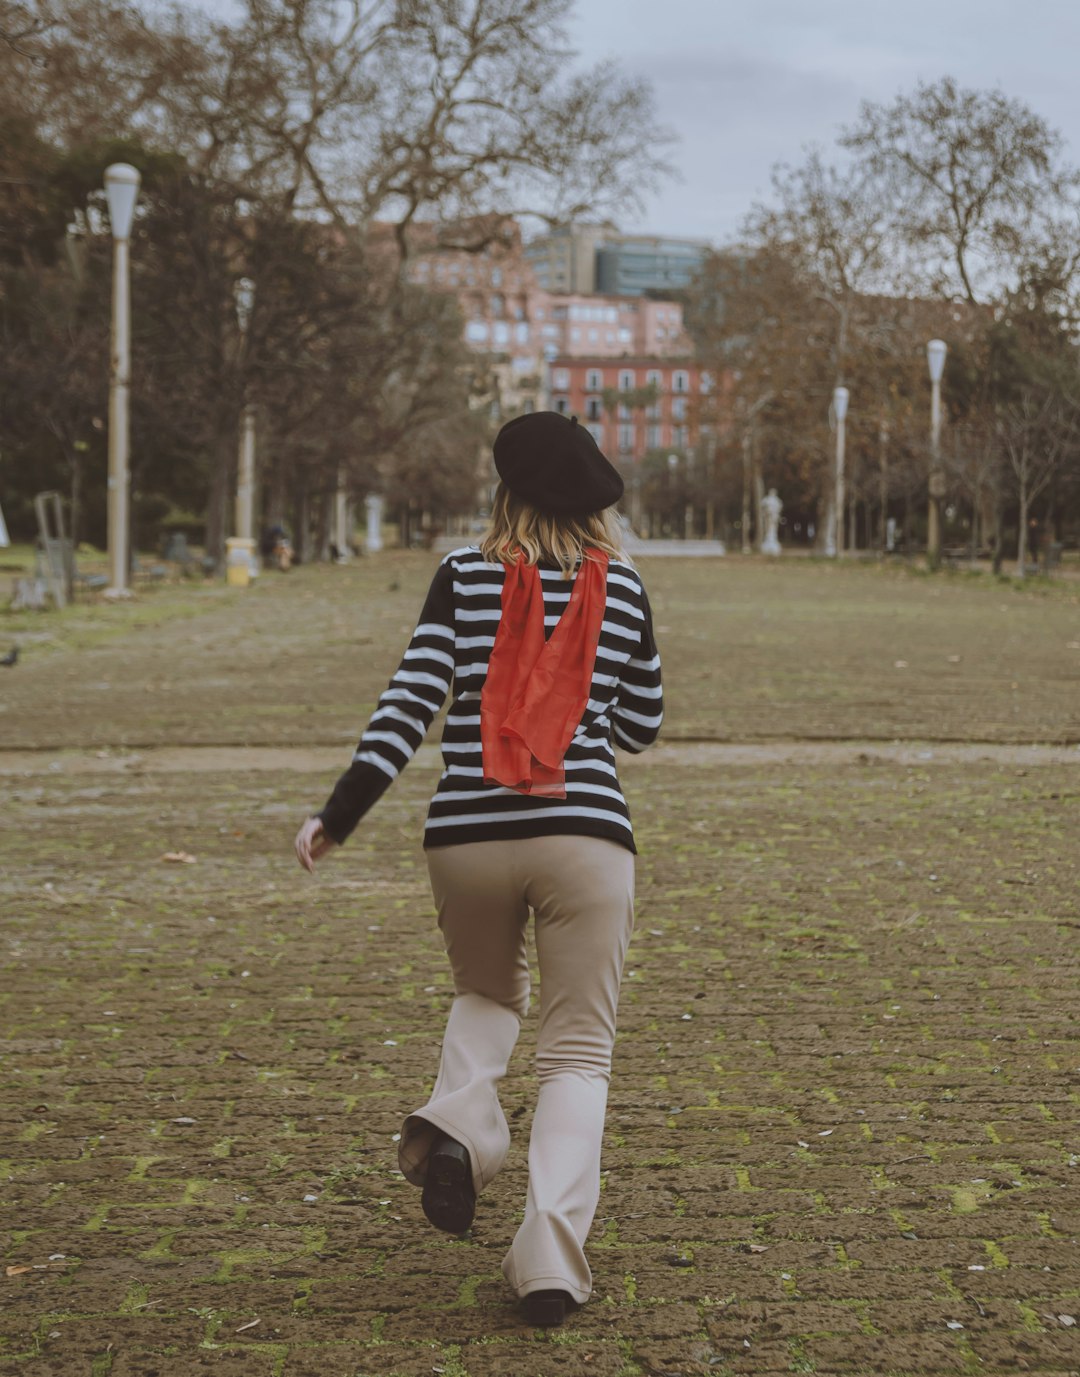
544	632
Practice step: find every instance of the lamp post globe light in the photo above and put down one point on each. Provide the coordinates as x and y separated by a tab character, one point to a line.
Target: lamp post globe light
121	190
835	535
936	351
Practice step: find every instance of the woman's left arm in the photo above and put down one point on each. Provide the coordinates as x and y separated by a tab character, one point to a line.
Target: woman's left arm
405	711
639	711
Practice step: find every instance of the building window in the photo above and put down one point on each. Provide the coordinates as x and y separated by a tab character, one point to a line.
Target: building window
560	379
706	382
627	380
594	380
626	439
681	436
625	335
521	333
561	405
594	336
678	408
653	437
476	331
681	382
496	305
502	333
597	432
592	409
654	378
624	412
496	277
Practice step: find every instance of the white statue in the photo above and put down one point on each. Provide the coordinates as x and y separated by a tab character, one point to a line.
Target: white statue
374	504
771	507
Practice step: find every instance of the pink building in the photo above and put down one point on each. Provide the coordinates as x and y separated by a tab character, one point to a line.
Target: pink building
507	313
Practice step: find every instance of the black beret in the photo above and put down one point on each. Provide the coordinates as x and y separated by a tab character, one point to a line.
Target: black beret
553	463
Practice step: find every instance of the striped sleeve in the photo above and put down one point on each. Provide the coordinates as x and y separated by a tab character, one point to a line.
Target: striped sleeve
639	708
404	713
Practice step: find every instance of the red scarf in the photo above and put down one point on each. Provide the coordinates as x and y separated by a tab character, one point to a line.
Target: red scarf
536	691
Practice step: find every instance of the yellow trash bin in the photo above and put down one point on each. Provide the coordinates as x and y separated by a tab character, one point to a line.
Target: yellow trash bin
239	555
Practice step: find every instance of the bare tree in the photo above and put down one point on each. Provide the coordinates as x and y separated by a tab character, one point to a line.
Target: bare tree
1037	432
974	178
361	110
833	226
20	25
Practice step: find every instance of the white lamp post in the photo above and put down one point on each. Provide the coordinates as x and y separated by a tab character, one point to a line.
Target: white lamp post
935	358
244	293
835	538
121	189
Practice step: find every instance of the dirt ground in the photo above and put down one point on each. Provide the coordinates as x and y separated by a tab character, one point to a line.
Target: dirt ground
843	1126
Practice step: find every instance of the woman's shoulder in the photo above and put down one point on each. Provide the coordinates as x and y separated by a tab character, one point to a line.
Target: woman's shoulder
622	574
464	557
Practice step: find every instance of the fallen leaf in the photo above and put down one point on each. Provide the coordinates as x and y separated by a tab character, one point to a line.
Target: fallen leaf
900	664
16	1271
250	1325
179	857
953	1324
1067	1320
825	1132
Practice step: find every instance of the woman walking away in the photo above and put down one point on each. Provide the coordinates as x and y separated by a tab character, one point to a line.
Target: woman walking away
545	634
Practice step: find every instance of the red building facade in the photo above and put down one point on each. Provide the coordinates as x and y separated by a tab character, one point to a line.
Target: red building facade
663	402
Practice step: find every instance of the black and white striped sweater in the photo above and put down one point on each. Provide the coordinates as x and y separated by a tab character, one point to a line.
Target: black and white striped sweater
450	648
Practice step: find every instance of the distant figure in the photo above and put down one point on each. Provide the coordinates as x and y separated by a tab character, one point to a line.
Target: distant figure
771	507
276	549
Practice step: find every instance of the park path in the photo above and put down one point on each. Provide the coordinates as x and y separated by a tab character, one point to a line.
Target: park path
843	1125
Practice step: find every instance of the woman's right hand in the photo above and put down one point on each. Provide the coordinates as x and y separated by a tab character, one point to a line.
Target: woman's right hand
312	844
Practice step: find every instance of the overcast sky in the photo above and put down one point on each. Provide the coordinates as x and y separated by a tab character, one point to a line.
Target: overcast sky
746	84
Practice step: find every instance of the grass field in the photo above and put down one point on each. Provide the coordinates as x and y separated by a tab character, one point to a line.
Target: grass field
843	1128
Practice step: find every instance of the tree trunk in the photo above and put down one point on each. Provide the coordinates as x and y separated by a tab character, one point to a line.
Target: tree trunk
1021	535
304	546
75	462
973	552
747	464
999	518
759	498
276	497
326	525
217	507
883	481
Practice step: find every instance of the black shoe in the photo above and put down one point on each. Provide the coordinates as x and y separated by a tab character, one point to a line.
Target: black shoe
544	1309
449	1197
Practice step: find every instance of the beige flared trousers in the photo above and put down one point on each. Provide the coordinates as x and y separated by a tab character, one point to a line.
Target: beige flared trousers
581	891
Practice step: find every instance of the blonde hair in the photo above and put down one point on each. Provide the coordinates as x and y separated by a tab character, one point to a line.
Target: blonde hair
517	526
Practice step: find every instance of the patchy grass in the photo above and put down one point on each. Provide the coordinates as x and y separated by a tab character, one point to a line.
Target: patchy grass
841	1121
